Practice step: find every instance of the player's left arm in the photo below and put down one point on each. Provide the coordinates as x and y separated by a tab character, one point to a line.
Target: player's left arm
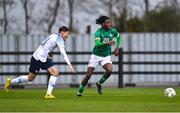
118	42
61	46
63	52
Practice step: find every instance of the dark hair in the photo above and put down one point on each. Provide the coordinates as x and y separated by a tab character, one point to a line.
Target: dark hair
101	19
64	28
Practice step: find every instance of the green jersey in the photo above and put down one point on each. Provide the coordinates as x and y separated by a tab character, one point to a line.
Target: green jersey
101	37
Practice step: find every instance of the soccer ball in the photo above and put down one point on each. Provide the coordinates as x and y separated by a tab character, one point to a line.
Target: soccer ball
169	92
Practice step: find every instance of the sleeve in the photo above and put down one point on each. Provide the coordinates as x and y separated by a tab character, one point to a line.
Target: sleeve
61	46
97	39
63	52
60	42
118	37
119	40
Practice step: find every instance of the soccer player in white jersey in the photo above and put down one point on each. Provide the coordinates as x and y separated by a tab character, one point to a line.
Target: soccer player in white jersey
41	60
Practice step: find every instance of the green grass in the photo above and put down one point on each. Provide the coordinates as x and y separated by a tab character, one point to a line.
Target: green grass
113	100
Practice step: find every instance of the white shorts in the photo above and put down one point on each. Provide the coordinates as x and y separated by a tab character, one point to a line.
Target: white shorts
96	60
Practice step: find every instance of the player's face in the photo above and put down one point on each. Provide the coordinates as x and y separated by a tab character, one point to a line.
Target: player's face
65	35
107	24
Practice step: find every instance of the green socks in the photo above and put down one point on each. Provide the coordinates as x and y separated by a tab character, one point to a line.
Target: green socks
102	80
81	88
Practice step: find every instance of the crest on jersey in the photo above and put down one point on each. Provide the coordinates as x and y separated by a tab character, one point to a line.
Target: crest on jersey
111	35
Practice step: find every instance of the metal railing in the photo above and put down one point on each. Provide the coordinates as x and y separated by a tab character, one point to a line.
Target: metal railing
121	63
120	83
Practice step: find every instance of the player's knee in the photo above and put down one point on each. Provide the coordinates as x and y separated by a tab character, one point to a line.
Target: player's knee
108	68
55	73
31	78
109	72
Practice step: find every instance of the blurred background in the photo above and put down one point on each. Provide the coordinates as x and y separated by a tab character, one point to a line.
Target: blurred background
149	28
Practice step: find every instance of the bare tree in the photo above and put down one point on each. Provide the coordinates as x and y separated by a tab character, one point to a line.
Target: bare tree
121	14
109	4
28	7
146	2
7	6
110	7
5	17
48	16
53	19
124	14
26	12
175	4
71	6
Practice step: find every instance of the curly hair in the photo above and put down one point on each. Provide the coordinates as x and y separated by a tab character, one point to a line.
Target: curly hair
101	19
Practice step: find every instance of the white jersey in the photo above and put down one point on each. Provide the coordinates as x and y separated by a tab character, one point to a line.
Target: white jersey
48	45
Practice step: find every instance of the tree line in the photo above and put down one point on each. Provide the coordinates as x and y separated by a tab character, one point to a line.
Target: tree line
165	17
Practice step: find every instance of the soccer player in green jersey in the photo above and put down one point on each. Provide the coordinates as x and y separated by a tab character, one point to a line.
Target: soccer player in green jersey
105	37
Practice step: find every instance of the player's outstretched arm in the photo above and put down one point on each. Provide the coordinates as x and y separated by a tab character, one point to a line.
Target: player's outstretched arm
63	52
71	68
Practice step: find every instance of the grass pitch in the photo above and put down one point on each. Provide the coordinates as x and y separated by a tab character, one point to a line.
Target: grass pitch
113	100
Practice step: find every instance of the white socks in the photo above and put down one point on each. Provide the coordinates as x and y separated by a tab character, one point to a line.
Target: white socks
20	79
51	85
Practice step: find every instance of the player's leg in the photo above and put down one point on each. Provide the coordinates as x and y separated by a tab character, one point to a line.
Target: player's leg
52	81
107	65
108	71
20	79
33	70
93	62
84	82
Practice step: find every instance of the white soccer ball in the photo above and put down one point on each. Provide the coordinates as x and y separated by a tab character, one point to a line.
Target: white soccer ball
169	92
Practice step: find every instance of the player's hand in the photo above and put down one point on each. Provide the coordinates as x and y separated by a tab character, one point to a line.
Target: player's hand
116	51
71	68
111	43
